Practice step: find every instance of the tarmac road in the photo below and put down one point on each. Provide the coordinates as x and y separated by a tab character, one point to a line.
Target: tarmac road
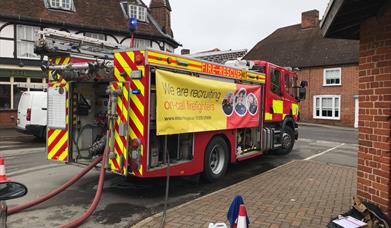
125	202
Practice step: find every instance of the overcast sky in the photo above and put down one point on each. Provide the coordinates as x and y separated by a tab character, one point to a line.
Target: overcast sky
233	24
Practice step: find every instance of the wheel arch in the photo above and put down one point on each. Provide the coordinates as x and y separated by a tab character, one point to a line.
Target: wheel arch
225	138
288	122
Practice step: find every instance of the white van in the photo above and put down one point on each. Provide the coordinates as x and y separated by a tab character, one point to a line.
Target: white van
32	111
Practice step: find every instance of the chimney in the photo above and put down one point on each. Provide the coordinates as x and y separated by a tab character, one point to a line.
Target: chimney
310	19
161	11
185	52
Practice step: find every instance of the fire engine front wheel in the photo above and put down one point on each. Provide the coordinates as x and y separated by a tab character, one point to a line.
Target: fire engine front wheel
216	159
287	141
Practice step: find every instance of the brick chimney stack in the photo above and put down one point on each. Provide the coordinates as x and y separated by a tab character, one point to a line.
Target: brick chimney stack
310	19
161	11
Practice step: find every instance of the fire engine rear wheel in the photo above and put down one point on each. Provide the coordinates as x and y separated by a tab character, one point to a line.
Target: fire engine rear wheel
215	159
287	141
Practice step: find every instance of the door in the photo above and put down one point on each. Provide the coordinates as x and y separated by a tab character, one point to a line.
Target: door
118	116
356	111
274	102
24	104
57	121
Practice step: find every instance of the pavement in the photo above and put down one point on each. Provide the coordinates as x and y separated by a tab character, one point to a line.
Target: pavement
301	193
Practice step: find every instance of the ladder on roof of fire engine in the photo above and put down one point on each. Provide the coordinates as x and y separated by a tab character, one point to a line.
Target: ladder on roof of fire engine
52	41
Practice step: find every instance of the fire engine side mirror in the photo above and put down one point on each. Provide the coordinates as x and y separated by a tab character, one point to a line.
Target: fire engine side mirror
303	84
12	190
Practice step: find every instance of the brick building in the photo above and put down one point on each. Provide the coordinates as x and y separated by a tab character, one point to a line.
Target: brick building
20	20
329	65
370	23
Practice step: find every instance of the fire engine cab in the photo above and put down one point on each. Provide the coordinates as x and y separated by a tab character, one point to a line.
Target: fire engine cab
149	108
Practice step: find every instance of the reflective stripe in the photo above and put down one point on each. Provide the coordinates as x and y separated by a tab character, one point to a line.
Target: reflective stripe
295	109
278	106
268	116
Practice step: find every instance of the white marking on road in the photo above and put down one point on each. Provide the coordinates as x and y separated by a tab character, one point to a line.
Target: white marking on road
324	152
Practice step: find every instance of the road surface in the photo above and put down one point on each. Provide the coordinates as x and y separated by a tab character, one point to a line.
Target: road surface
126	201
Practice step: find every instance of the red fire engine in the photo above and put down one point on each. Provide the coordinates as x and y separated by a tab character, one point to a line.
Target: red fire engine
148	108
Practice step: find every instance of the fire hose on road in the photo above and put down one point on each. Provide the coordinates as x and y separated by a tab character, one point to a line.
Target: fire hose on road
70	182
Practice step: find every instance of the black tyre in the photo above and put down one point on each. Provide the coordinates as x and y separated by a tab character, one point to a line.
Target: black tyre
215	159
287	141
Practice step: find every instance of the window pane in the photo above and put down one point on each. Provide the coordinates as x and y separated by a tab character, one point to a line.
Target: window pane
17	95
332	74
317	101
294	89
327	103
286	83
5	97
275	82
336	103
20	79
4	79
25	41
36	80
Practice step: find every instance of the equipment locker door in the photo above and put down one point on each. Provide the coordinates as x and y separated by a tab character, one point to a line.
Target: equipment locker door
118	114
57	121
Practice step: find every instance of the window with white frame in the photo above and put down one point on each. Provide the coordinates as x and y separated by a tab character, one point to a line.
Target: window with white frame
139	12
332	77
25	41
327	107
61	4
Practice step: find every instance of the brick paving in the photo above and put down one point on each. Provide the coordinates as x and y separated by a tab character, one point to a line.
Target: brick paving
298	194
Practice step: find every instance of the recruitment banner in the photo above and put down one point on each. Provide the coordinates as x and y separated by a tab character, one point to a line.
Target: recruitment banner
188	104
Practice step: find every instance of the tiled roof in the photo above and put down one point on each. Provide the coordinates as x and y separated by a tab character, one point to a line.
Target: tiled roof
92	15
295	47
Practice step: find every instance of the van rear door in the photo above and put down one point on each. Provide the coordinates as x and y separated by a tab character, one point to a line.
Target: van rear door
24	104
38	108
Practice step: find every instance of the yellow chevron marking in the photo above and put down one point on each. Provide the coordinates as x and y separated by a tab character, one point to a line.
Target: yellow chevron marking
132	134
53	136
140	170
124	65
57	61
118	139
125	93
138	103
139	86
63	155
137	122
142	150
122	109
117	74
58	145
